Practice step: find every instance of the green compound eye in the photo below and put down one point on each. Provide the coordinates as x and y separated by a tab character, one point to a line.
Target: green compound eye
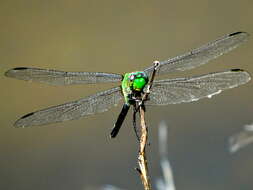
139	84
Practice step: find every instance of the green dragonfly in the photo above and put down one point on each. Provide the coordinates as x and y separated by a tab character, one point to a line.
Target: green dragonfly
133	84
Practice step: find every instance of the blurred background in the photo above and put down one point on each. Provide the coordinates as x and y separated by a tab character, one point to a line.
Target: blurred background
118	37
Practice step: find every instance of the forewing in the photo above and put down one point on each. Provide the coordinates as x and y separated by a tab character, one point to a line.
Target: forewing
54	77
96	103
202	55
175	91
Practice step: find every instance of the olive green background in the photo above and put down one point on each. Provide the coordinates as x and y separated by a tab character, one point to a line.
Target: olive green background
120	36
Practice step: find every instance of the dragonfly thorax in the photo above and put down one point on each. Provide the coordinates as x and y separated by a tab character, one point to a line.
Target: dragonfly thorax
133	85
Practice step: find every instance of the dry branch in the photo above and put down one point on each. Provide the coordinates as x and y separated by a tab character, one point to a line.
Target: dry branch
142	159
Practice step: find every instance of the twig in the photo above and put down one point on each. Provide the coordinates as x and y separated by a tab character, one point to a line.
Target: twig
142	160
145	96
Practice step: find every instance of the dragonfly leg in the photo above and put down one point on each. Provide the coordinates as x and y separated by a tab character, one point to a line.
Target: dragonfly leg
135	111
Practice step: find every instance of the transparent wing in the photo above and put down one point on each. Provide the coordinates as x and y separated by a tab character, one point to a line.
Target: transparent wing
202	55
55	77
175	91
96	103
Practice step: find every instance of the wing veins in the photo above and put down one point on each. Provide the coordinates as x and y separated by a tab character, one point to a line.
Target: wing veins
201	55
56	77
174	91
96	103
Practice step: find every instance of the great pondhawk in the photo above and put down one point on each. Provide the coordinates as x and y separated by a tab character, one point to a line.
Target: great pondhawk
163	92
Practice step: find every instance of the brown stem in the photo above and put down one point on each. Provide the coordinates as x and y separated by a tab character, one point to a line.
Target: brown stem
142	160
150	84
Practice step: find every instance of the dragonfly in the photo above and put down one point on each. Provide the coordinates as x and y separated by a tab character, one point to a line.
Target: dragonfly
134	84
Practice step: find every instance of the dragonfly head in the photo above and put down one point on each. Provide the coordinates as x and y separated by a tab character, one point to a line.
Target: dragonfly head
138	80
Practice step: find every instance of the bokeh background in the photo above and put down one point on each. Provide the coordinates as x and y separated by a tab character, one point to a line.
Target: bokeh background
120	36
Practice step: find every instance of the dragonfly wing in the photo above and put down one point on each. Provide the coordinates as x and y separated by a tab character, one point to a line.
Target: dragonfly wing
96	103
202	55
55	77
175	91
